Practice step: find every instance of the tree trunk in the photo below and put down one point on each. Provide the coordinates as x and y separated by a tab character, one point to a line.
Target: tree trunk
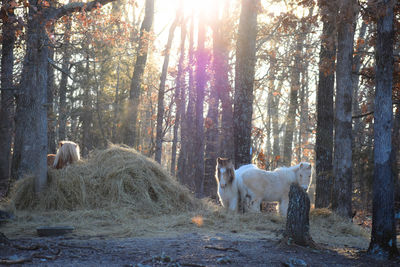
383	235
115	131
324	135
211	124
221	73
62	117
160	105
131	128
244	81
342	161
201	80
275	124
7	95
291	115
51	116
98	107
180	82
86	115
358	123
187	175
271	112
298	223
396	153
30	146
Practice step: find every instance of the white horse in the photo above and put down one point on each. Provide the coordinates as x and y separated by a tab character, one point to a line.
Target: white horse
229	183
259	185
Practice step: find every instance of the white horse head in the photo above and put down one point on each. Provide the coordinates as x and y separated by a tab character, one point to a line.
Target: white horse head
303	175
225	172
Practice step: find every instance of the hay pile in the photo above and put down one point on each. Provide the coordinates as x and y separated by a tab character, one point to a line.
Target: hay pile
111	178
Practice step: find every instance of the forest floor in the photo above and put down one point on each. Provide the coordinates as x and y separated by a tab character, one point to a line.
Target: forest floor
185	249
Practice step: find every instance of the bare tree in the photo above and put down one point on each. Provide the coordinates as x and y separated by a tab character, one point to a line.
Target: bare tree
244	79
201	80
383	236
342	160
7	94
62	92
160	105
130	127
180	83
326	82
186	155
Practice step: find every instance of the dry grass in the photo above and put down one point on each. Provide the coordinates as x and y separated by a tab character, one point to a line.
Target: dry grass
327	227
120	193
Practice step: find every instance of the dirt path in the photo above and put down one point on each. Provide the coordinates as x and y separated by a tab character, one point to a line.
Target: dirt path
190	249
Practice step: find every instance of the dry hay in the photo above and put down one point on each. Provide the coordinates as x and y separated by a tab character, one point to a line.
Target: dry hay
328	227
120	193
115	177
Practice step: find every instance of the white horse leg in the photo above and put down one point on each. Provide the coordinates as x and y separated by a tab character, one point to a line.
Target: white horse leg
255	205
283	207
233	204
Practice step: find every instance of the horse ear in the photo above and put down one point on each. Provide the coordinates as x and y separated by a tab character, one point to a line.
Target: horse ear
60	144
219	160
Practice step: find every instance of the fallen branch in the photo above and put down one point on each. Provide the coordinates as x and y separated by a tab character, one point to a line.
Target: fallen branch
18	261
362	115
29	259
222	249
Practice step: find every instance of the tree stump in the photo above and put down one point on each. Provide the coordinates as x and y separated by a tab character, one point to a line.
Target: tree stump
298	223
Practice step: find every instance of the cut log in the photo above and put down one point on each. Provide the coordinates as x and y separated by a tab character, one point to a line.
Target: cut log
54	230
298	223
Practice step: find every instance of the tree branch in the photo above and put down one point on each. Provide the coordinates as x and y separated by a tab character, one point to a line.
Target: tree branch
52	63
56	13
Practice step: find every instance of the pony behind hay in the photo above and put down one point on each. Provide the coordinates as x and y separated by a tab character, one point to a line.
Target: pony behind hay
50	159
67	153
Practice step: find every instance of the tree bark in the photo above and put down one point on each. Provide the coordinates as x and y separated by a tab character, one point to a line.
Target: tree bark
131	128
7	95
342	161
161	89
324	135
298	222
244	81
383	235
